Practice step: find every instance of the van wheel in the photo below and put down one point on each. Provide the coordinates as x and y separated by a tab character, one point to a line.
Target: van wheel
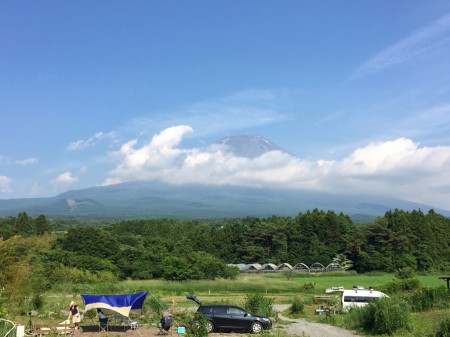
256	327
209	326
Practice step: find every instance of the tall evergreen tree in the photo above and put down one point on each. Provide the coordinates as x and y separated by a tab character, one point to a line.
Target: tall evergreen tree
24	225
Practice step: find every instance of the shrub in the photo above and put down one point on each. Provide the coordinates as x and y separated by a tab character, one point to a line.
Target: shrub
297	306
443	329
230	272
197	327
429	298
37	301
260	304
382	316
308	286
401	285
405	273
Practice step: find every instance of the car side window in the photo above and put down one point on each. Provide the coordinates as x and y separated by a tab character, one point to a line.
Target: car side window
236	311
220	310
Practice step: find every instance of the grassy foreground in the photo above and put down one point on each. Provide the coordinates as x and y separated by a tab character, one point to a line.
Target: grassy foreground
282	287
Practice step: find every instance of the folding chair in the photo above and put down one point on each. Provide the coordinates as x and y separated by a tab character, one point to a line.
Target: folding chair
103	324
164	325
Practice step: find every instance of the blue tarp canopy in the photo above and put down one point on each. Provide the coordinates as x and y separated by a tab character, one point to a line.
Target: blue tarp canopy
122	304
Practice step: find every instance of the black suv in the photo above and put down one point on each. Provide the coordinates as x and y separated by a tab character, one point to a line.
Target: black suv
230	317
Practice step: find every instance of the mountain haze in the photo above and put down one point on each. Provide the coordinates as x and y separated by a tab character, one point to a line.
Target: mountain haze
156	199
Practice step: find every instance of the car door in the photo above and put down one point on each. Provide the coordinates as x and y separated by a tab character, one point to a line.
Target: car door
220	317
238	318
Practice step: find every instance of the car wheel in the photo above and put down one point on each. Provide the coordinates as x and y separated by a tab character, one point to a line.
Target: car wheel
209	326
256	327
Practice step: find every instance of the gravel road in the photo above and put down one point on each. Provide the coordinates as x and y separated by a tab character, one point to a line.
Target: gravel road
301	327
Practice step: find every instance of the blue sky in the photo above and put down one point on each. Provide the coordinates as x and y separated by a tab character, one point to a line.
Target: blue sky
101	92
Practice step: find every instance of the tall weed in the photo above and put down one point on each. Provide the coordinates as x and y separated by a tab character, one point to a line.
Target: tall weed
6	328
157	305
429	298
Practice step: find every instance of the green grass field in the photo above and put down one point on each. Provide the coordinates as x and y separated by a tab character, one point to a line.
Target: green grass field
281	287
284	287
271	284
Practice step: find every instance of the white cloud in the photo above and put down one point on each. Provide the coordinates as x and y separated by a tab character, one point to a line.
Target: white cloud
83	144
5	184
155	156
27	161
112	181
63	181
398	168
425	40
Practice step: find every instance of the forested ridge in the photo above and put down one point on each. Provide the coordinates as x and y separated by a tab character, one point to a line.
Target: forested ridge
51	253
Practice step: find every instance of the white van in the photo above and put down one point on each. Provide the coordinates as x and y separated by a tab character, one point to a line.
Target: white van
356	297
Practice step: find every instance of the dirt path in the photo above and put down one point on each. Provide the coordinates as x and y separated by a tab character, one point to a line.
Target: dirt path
301	327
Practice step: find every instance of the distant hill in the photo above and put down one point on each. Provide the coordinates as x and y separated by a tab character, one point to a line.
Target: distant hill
155	199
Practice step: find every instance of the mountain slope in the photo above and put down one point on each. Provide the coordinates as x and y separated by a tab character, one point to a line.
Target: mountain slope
155	199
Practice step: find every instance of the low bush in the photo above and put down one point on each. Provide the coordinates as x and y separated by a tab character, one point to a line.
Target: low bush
197	327
443	329
405	273
37	301
307	286
382	316
258	303
401	285
297	306
429	298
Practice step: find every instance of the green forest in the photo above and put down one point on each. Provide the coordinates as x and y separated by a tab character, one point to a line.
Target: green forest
38	254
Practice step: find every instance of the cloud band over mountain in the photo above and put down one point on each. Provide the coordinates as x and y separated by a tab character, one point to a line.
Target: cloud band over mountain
398	168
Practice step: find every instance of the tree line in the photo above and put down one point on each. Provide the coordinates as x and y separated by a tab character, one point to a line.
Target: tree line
51	252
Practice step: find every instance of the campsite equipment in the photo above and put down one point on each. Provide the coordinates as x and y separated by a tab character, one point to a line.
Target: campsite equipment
164	324
122	305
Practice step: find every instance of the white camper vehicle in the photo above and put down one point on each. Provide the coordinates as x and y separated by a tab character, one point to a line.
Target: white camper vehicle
356	297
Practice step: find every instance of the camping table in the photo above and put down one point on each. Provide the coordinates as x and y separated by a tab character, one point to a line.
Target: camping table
123	321
447	278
